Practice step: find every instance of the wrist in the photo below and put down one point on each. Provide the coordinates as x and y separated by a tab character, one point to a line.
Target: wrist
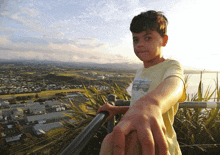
148	101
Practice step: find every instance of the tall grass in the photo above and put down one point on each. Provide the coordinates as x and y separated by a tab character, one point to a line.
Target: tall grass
196	128
82	116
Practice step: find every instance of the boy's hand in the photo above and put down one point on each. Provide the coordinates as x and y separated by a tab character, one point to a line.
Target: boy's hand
148	123
109	108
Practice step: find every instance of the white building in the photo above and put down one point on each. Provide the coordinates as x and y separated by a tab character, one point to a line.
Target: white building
37	109
4	103
49	116
44	128
100	77
13	138
53	104
17	114
94	73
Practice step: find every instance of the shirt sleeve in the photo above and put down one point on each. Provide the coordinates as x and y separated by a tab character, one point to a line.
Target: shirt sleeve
176	69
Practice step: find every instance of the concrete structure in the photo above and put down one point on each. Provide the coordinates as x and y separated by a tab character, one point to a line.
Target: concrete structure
1	117
11	132
14	106
37	109
39	129
49	116
100	77
53	104
17	114
94	73
6	112
4	103
13	138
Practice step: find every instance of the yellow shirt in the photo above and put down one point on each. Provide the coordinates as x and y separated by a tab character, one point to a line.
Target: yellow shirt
146	80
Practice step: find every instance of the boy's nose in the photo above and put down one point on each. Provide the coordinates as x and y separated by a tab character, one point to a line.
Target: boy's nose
141	44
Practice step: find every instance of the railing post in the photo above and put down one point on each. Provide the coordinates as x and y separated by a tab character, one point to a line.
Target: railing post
111	122
76	146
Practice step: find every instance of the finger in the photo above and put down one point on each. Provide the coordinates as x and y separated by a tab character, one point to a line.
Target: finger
146	140
107	147
118	140
160	140
102	108
132	144
98	111
118	137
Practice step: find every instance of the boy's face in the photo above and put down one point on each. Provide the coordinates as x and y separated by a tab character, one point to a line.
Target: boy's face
148	46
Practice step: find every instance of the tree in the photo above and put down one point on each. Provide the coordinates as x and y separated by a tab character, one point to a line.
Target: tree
36	96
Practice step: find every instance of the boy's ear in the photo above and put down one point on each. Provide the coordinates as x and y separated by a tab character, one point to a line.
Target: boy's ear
165	39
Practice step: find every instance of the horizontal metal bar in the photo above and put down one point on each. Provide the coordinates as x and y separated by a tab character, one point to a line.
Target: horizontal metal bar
120	102
199	105
181	105
200	145
77	145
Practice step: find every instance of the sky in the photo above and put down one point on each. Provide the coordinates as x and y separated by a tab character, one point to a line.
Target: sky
98	31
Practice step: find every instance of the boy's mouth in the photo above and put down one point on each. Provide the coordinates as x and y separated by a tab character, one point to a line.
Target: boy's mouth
142	52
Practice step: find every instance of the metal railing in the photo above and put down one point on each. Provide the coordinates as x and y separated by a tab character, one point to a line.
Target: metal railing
77	145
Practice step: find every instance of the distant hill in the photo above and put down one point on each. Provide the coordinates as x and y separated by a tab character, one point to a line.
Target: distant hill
187	70
76	64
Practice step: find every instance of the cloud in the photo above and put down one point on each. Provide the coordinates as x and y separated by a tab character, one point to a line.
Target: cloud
61	34
39	35
91	52
30	12
3	4
4	40
9	5
111	11
2	48
31	23
4	13
87	42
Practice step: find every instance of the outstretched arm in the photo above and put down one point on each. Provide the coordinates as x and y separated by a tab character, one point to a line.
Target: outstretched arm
145	117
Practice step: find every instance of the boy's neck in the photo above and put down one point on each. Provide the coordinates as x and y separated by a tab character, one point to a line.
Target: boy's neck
153	62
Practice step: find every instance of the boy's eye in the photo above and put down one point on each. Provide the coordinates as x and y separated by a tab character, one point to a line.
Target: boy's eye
135	40
147	38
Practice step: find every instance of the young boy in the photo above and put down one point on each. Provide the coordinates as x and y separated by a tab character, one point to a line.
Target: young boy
158	87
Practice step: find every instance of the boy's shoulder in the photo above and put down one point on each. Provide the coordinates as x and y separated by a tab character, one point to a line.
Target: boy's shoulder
166	63
172	61
161	67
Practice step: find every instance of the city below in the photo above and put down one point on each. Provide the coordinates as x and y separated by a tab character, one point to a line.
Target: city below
35	96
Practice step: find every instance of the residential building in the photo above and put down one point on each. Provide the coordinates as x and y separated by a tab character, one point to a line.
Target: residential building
17	114
53	104
10	132
39	129
36	109
47	117
100	77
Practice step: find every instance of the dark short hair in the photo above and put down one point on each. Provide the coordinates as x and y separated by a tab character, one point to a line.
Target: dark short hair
149	20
